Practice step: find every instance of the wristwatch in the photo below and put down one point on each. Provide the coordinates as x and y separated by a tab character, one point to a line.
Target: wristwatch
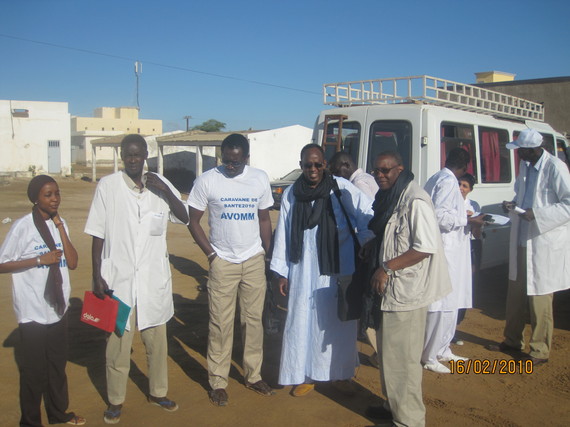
388	271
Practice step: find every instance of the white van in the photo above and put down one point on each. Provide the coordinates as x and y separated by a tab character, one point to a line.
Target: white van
424	117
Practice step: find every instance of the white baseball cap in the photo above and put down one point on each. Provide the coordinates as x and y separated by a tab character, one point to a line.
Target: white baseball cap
528	138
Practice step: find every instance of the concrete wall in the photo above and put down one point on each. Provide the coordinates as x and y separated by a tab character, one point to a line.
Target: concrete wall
24	140
553	92
277	151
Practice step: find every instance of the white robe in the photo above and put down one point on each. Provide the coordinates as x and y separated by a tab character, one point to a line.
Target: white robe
452	220
548	247
316	344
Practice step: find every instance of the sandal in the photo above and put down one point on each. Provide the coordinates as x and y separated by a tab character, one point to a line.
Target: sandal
302	389
77	421
260	387
113	414
218	397
164	402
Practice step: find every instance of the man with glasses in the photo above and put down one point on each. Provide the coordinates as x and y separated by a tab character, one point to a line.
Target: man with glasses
411	274
313	251
238	198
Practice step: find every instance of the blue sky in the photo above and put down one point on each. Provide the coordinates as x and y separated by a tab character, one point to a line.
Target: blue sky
201	57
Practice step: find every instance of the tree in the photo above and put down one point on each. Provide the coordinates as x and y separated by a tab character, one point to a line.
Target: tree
211	125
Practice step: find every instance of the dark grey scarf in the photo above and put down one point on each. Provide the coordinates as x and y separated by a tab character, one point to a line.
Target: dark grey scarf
307	215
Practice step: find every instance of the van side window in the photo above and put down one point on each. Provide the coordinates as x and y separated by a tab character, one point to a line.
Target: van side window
458	135
390	135
495	158
350	139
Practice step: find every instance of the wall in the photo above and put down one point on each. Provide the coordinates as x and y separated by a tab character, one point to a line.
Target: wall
277	151
553	92
107	121
24	140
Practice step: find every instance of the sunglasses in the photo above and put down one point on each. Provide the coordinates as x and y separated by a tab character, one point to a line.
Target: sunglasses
309	165
383	171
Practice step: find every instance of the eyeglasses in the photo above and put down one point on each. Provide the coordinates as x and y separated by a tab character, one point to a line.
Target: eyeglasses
232	164
309	165
383	171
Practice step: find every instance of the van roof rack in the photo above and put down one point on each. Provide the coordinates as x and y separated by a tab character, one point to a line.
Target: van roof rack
431	90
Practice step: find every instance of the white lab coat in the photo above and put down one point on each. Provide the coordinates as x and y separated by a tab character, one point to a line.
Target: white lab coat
135	262
316	344
452	219
548	247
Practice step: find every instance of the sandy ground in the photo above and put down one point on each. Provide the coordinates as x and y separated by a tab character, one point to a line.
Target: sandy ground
475	399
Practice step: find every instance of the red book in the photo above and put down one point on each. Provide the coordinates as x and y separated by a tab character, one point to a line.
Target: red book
101	313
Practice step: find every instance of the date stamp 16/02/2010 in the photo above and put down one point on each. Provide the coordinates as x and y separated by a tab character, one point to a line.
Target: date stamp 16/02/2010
486	366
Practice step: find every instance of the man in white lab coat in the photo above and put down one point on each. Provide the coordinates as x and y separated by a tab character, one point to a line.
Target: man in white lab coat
128	220
539	256
452	219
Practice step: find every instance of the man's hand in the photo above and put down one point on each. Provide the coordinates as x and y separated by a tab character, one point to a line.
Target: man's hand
476	221
366	250
283	286
154	182
100	287
52	257
528	215
378	281
508	206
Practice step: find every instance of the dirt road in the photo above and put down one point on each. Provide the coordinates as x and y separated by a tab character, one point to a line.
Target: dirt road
474	399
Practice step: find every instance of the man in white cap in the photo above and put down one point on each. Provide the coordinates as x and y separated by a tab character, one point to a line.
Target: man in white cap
539	257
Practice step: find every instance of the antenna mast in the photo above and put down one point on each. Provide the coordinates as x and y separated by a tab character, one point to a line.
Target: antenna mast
138	72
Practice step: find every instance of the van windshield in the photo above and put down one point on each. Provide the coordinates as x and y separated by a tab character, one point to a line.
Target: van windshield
390	135
350	139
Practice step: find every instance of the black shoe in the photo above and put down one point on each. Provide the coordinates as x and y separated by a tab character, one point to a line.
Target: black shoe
502	347
536	361
378	413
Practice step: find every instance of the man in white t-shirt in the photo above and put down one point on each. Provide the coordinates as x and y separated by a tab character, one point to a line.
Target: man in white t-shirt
238	199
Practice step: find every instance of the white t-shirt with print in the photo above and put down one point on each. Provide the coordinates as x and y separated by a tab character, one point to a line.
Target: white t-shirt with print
233	205
22	242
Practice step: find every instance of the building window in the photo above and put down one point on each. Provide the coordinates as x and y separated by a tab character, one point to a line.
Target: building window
20	112
53	143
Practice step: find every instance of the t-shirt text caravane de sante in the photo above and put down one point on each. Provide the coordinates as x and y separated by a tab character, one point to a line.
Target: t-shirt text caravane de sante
233	205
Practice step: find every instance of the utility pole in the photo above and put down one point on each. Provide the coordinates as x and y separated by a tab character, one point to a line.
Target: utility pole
138	71
187	122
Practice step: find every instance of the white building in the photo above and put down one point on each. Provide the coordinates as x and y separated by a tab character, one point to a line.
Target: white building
276	151
34	137
107	122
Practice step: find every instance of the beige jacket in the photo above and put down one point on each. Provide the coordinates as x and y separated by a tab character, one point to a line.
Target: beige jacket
413	225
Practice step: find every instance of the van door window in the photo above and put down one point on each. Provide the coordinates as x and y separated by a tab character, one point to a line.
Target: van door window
350	139
390	135
495	158
460	135
562	150
548	143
